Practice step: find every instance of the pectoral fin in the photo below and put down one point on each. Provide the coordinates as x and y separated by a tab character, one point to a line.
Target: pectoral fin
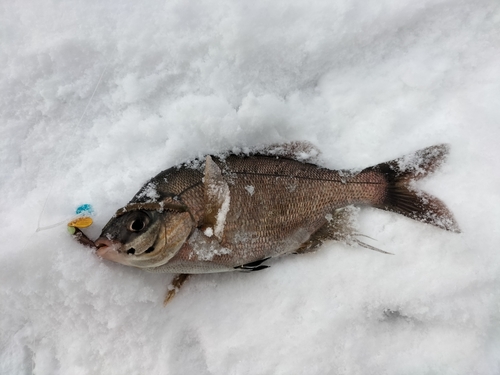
217	198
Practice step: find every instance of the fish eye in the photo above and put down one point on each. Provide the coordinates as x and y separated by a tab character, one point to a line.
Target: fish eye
138	223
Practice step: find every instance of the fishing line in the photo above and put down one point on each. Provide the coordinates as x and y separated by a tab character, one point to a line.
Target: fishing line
38	228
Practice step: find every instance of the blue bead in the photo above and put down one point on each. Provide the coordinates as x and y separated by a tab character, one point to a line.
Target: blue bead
85	208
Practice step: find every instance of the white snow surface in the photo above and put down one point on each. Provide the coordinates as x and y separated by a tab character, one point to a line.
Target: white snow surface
365	82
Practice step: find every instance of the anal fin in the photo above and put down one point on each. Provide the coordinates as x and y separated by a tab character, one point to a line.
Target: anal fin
341	227
369	247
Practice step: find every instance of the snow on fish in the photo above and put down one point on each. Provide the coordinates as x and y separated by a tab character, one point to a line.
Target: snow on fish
235	211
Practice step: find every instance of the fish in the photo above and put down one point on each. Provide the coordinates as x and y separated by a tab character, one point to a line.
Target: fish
235	211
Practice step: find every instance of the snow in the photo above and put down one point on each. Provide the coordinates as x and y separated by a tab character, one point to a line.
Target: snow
209	232
250	189
365	82
205	248
149	191
222	213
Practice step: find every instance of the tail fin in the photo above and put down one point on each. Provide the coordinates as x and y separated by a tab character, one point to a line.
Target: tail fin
401	198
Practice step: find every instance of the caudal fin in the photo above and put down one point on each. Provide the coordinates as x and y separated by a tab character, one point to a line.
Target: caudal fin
403	199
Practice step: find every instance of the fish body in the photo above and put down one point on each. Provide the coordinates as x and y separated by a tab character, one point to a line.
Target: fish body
234	212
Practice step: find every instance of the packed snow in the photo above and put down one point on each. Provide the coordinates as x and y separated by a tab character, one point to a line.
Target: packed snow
97	97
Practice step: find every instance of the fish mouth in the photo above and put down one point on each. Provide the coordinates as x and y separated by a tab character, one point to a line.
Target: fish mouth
108	249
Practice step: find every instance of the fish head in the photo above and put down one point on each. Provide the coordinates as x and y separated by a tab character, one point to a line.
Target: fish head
144	238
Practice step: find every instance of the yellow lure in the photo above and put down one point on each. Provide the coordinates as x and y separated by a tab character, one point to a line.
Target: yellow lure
81	222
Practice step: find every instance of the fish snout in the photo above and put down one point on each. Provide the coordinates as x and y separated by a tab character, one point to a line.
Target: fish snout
107	248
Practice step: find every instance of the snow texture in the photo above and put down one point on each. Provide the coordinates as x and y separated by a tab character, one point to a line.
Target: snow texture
204	248
149	191
250	189
209	232
365	82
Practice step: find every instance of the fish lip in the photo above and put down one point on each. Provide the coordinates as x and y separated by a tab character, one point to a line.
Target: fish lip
107	248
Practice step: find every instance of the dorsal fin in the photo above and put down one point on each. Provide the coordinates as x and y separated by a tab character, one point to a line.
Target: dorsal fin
217	197
297	150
